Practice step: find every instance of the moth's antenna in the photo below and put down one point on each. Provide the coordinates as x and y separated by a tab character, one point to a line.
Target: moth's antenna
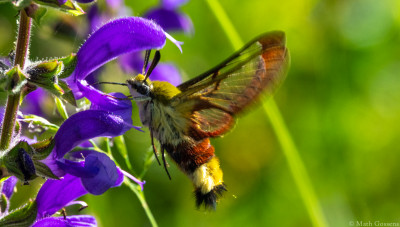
154	63
114	83
146	61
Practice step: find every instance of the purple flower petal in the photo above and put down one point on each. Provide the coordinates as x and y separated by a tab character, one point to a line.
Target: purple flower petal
94	18
85	1
77	169
98	172
171	20
51	162
87	125
166	72
55	194
76	220
137	181
8	186
116	38
106	173
172	4
132	62
61	2
33	102
120	178
115	4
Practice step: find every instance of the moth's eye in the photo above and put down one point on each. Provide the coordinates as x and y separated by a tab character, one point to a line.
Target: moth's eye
143	89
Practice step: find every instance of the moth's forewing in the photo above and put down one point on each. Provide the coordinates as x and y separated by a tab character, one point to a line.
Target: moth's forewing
218	94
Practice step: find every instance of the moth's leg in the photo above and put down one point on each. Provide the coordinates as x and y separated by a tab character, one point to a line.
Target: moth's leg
164	161
151	133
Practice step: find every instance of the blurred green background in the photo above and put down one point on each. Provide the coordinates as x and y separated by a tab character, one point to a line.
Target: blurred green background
341	103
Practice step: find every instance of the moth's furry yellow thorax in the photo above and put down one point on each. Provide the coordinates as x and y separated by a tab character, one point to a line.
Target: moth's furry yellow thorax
164	91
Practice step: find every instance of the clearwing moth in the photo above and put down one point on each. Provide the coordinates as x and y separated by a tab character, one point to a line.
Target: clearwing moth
183	118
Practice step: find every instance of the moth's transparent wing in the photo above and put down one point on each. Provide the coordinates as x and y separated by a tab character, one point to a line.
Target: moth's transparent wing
227	89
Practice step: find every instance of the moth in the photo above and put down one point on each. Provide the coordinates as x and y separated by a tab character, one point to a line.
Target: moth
184	118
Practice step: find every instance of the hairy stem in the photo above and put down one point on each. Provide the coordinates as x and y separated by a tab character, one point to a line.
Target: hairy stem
21	52
291	153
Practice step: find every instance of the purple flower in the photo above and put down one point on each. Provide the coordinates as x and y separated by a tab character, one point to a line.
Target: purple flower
121	36
167	16
108	117
132	62
76	220
56	194
8	190
33	102
8	186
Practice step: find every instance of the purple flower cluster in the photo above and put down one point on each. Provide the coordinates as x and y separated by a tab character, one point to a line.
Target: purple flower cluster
108	116
86	170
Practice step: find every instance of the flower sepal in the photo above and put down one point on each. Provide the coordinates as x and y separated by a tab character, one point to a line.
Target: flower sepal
25	162
24	216
69	63
36	12
13	80
46	74
68	6
4	203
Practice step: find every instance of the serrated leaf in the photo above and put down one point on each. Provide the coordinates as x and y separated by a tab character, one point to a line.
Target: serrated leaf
69	65
69	6
24	216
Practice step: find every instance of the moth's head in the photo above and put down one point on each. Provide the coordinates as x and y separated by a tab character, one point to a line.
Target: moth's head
138	86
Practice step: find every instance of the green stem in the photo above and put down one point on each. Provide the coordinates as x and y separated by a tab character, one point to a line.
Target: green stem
291	153
135	188
139	193
21	52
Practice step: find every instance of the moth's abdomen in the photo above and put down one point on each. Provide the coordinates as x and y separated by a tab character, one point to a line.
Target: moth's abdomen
198	161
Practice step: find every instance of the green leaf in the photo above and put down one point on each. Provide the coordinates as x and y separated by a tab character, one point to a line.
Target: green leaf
24	216
69	6
42	149
119	143
5	1
68	96
61	108
44	171
148	160
69	65
3	203
36	120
